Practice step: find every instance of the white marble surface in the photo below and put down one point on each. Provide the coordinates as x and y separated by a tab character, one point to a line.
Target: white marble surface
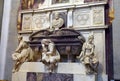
88	17
82	17
85	77
78	1
70	68
19	76
102	77
70	18
98	15
40	21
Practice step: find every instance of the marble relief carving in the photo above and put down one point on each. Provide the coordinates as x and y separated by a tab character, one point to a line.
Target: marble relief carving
98	15
36	21
26	22
81	17
40	21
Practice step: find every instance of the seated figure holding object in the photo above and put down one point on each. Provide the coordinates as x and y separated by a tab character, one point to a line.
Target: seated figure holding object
50	55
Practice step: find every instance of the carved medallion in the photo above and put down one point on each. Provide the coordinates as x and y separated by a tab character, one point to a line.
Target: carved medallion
40	21
81	17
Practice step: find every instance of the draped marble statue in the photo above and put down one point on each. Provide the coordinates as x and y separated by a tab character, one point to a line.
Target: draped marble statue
23	53
88	57
50	55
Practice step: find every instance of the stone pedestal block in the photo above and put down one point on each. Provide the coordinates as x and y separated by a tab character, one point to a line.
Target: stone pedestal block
85	77
19	76
77	70
70	68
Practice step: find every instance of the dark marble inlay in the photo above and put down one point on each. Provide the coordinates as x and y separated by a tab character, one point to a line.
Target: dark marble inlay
49	77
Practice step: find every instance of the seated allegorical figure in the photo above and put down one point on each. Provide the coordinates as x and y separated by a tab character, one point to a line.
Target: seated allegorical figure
50	55
23	53
88	57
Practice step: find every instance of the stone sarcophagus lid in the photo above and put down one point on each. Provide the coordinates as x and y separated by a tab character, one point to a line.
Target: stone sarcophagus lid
67	41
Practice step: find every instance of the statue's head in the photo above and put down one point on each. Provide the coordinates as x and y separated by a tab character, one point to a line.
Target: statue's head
56	15
91	37
46	41
20	37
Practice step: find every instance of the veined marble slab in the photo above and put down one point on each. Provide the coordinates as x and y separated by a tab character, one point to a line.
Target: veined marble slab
85	77
22	76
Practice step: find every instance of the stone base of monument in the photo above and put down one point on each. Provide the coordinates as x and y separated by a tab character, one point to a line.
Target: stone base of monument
36	71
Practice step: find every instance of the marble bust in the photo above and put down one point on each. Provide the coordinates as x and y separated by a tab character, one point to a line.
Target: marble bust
57	22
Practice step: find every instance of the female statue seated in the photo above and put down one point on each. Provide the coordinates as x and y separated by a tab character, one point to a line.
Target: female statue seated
50	55
87	56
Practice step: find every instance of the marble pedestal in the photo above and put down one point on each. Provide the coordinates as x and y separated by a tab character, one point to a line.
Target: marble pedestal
76	69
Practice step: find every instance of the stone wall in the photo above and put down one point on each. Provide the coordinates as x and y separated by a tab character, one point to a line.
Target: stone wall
8	38
1	12
116	40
